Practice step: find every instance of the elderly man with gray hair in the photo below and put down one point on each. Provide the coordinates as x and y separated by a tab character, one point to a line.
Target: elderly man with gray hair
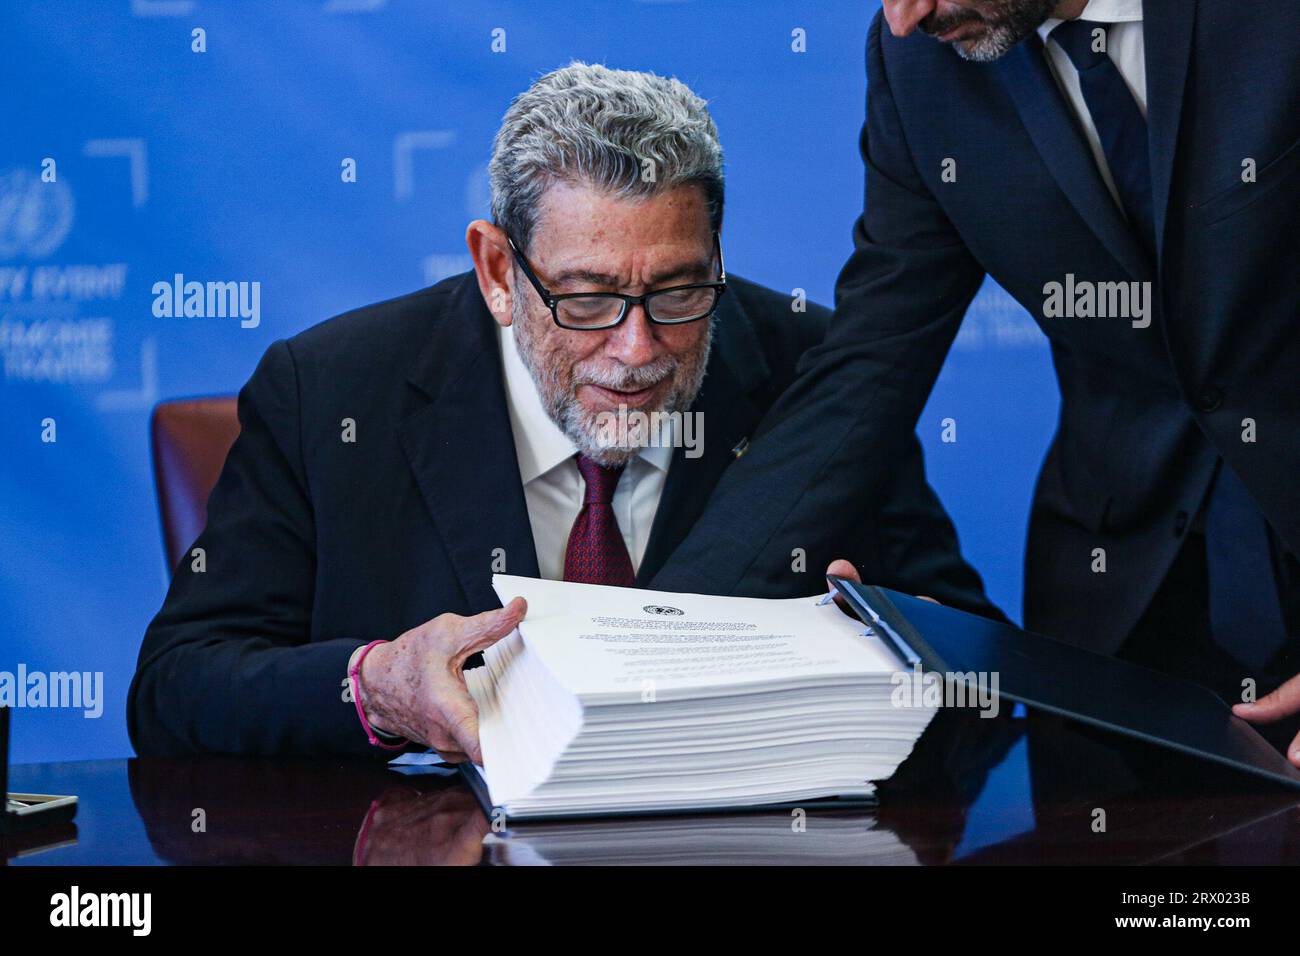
564	410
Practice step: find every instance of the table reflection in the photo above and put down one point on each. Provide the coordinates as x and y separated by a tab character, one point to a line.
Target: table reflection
1005	790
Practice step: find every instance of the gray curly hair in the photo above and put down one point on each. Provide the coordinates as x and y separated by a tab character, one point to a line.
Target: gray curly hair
590	125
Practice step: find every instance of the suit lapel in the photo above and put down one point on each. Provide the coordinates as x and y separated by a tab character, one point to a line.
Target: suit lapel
459	443
1167	38
729	415
1055	132
458	440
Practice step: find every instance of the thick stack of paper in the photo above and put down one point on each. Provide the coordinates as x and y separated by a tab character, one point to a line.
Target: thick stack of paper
618	700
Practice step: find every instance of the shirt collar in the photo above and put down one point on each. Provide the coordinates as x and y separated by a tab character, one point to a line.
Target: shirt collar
540	444
1100	11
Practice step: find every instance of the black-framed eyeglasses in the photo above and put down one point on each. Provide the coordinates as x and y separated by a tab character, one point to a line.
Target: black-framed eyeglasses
594	311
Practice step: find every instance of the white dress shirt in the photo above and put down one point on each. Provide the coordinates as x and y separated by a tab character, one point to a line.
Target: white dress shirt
1124	46
553	488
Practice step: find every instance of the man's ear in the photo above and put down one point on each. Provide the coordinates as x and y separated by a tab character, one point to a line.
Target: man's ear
494	266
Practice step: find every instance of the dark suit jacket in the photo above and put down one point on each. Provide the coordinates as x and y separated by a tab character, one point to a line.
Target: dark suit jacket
1145	413
315	546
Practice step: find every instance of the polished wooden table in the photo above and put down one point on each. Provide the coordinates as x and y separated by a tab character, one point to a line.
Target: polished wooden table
1013	790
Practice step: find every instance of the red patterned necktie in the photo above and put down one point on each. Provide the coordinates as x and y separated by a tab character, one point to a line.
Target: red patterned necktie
596	553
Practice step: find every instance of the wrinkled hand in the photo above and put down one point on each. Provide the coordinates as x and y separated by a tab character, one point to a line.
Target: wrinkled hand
413	686
1271	708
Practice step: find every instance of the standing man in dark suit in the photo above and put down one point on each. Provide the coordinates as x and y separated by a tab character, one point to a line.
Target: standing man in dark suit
392	459
1129	171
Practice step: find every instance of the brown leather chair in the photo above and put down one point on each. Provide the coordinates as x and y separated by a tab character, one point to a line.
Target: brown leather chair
190	440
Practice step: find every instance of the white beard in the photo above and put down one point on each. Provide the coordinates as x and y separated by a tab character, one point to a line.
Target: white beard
607	437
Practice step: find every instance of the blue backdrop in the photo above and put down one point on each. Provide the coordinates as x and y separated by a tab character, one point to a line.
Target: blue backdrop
226	165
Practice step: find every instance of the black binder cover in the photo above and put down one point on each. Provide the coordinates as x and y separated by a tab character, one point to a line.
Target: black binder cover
1054	676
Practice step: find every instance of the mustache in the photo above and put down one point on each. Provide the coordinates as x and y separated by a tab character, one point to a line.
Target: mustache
936	23
625	378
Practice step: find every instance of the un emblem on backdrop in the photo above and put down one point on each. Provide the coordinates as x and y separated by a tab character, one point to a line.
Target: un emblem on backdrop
35	217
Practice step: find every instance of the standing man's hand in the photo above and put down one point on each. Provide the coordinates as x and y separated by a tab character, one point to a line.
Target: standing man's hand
414	687
1270	708
845	569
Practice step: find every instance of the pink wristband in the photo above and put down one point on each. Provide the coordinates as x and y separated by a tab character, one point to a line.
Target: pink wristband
354	673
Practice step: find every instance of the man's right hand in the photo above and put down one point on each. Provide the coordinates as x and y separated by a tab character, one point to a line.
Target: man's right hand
413	686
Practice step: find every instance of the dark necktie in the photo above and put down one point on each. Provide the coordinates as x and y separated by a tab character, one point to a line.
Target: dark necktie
1245	613
596	553
1120	125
